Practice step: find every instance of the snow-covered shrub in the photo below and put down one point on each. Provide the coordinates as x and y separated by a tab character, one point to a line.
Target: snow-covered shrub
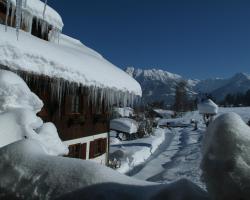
226	158
18	119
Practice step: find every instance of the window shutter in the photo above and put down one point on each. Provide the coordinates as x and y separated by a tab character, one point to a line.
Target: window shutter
92	149
83	154
104	145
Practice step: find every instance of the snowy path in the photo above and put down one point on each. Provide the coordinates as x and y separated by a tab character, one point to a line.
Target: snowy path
180	155
176	159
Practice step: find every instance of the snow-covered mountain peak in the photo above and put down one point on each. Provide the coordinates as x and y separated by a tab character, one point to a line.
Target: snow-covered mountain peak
159	85
241	76
152	74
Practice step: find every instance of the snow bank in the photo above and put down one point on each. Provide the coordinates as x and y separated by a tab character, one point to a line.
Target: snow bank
70	61
18	119
35	8
28	173
125	125
136	152
226	160
208	107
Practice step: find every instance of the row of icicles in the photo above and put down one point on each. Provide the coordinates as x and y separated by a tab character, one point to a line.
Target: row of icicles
98	97
26	18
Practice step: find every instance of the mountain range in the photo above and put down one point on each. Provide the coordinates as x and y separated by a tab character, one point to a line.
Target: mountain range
159	85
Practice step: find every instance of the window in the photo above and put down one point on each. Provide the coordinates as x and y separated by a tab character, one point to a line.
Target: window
75	104
77	151
97	147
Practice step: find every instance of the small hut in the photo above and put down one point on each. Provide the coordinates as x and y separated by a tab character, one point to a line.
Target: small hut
208	109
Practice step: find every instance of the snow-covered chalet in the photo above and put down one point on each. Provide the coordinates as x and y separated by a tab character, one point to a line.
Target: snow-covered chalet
77	85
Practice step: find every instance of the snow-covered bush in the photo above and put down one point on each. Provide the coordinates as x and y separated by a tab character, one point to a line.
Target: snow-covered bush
226	158
18	119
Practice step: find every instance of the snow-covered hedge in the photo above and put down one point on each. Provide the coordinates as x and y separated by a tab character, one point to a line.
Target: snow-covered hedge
226	158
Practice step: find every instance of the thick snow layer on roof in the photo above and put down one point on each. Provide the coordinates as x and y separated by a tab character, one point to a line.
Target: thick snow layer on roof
126	125
27	172
75	64
36	7
207	107
226	158
18	120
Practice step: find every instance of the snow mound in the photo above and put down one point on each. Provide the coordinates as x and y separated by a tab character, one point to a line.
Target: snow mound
28	173
125	125
36	7
226	160
208	107
18	119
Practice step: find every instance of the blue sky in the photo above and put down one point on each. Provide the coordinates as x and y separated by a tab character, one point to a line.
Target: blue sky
194	38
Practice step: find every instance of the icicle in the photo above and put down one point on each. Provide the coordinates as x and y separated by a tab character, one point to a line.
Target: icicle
25	3
7	14
18	16
44	9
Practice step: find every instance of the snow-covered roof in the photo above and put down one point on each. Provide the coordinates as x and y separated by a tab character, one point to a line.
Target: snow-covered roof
124	112
69	60
36	8
125	125
164	113
207	107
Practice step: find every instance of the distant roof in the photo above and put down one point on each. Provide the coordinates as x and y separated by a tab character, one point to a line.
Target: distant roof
69	60
164	113
207	107
36	8
125	125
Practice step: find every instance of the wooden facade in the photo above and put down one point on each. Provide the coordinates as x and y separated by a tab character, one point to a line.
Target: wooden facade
74	116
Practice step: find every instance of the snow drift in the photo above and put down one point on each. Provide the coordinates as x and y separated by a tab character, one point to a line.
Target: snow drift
226	158
18	119
28	173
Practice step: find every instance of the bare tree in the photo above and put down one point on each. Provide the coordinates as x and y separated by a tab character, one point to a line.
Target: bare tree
181	99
